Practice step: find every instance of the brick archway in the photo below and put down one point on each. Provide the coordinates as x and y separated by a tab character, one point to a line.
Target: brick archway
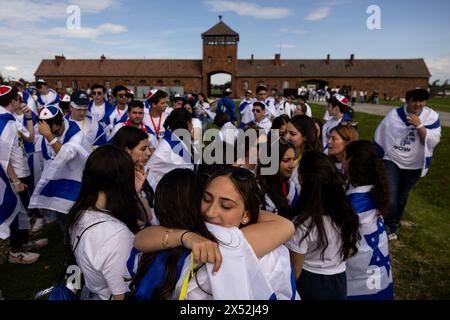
222	81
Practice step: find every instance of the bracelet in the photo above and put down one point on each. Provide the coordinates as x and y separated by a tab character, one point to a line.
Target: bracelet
165	242
420	126
16	183
55	140
181	239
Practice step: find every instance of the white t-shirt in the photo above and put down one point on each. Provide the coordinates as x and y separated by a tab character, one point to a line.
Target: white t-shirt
156	123
332	262
102	253
98	111
408	152
265	124
18	156
228	133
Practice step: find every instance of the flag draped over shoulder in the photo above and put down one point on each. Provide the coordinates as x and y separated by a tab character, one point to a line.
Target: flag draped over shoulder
60	183
10	204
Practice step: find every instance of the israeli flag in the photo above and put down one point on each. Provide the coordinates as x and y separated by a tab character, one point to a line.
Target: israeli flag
369	274
60	183
10	204
51	99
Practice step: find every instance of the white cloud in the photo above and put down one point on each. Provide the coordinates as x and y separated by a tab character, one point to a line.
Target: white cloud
439	67
87	32
94	6
10	68
319	14
248	9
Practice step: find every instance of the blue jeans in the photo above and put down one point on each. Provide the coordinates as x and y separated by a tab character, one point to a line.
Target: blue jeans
400	183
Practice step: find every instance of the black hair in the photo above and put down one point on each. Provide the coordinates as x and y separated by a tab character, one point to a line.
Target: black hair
306	127
272	185
417	95
177	205
6	99
221	119
259	104
336	103
323	195
246	185
98	86
204	96
366	168
320	123
157	97
119	88
110	170
135	104
261	88
280	121
178	119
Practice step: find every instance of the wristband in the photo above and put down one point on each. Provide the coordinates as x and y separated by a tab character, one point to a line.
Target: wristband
181	239
420	126
55	140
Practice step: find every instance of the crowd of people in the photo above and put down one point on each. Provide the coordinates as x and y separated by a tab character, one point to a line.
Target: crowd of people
146	221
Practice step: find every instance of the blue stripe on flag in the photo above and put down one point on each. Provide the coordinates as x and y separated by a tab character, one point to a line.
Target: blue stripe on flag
64	189
362	202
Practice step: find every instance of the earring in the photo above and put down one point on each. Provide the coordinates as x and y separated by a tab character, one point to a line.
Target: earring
244	221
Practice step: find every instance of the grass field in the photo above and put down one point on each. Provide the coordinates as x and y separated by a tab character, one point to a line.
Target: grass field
437	103
420	257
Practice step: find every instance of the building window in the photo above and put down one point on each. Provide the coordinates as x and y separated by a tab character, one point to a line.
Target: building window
59	84
143	82
209	59
177	83
159	82
127	81
75	84
245	85
107	84
230	59
286	85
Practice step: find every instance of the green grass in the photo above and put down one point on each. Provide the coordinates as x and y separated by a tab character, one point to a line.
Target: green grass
437	103
420	257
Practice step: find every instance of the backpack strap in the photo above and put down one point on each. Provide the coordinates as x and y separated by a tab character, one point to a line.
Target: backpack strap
79	237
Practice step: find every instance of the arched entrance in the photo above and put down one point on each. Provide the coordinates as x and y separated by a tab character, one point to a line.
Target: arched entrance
218	82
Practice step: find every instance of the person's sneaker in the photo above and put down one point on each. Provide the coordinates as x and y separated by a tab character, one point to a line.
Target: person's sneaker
23	257
35	244
38	225
392	236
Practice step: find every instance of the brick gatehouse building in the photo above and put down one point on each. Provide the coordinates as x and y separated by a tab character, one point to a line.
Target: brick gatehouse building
220	55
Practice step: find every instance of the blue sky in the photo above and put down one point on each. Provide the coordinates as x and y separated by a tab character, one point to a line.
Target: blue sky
34	30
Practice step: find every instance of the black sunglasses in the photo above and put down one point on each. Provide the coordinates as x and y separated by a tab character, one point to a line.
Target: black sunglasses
257	110
349	123
121	95
97	93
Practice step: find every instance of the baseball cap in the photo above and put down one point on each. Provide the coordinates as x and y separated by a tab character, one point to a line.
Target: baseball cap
80	99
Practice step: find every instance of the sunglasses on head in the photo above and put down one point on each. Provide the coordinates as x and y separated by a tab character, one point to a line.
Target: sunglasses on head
349	123
240	174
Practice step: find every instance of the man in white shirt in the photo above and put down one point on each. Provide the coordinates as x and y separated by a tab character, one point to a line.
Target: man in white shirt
261	121
245	109
406	139
261	95
228	132
46	96
281	106
99	106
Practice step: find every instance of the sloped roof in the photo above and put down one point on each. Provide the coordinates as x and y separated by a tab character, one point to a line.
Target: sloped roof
220	29
120	68
367	68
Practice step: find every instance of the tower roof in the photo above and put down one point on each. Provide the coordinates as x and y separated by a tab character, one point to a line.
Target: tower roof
220	29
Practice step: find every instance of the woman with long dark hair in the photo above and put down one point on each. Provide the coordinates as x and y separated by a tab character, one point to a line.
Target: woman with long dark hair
369	274
103	221
326	230
135	142
278	192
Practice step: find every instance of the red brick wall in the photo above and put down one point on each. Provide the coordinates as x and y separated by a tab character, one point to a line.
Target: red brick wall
219	63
